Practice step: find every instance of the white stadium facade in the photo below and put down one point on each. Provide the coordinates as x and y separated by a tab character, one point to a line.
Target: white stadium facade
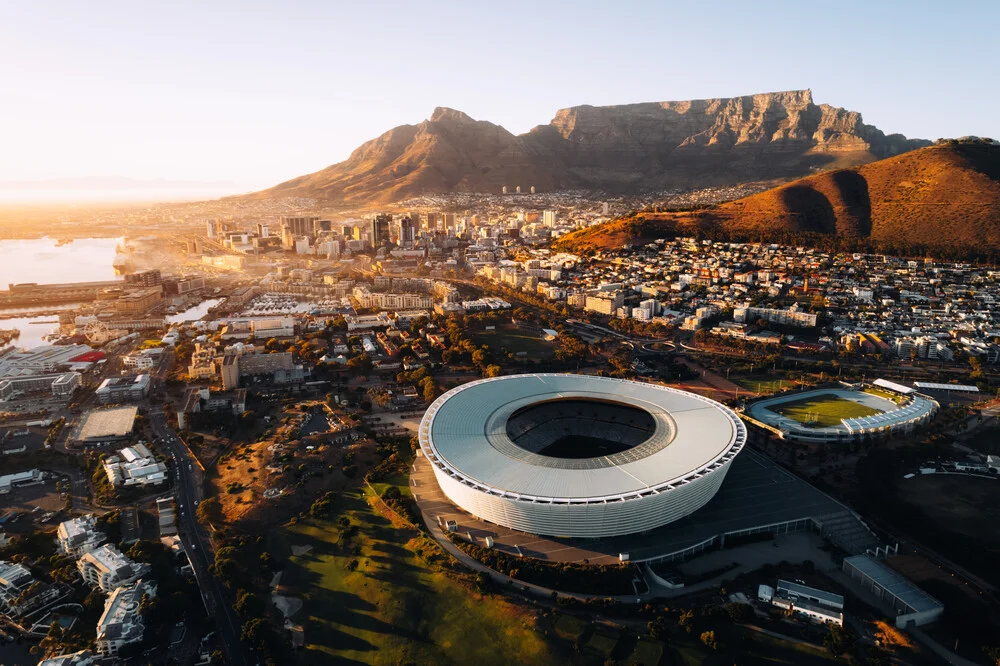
578	456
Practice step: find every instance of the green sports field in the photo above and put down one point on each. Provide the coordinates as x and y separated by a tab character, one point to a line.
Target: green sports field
822	410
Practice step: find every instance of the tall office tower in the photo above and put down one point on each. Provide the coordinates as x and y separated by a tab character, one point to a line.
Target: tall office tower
320	226
287	238
414	218
407	230
449	221
380	230
549	218
300	225
263	230
432	220
210	228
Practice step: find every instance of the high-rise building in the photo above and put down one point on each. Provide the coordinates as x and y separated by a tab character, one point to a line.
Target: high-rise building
449	221
549	218
299	225
263	230
380	230
432	219
407	230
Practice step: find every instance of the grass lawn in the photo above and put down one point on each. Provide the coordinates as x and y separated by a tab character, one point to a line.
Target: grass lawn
822	410
602	644
646	652
570	627
882	393
514	340
396	606
764	386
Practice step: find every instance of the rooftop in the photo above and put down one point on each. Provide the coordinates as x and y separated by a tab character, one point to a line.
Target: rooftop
108	423
895	584
468	433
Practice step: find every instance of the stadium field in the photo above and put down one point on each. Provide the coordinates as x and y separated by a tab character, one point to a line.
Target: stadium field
823	410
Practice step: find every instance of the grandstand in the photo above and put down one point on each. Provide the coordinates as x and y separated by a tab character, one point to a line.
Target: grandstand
888	416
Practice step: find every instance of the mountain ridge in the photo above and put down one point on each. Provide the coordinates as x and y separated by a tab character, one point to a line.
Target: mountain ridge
631	147
938	199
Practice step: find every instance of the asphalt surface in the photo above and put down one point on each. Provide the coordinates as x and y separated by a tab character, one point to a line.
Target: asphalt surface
197	543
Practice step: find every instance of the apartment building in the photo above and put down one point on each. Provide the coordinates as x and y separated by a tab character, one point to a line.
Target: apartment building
79	536
107	568
121	623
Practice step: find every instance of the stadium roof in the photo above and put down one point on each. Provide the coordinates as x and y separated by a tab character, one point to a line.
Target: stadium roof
931	386
893	386
895	584
467	432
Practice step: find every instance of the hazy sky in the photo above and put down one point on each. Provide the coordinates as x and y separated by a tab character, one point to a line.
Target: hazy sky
256	92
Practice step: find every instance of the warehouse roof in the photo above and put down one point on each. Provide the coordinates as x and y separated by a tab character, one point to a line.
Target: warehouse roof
895	584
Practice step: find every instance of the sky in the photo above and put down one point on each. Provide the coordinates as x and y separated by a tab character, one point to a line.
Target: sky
253	93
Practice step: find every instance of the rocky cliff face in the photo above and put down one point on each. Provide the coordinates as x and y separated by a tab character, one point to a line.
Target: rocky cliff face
661	145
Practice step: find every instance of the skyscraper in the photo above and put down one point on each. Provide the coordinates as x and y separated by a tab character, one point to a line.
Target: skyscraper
380	230
407	230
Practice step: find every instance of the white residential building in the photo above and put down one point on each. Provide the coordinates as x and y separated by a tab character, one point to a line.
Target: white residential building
121	624
107	568
79	536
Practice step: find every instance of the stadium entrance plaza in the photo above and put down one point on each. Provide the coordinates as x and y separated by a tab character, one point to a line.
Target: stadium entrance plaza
755	493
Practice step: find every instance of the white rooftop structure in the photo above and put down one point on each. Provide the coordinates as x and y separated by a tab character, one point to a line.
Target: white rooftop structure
121	624
79	535
893	386
107	568
134	466
577	455
932	386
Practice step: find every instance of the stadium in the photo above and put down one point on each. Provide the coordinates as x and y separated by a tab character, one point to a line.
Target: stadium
578	456
844	412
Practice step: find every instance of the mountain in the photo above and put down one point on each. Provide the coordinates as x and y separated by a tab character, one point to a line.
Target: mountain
940	199
648	146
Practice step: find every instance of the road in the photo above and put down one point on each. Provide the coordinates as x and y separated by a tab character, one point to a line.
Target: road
197	543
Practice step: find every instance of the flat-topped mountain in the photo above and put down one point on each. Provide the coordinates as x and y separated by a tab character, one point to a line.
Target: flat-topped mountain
632	147
942	199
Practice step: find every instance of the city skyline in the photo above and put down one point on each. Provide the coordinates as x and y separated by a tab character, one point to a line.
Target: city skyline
255	96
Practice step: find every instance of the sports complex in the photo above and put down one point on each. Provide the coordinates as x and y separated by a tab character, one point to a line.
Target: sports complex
844	412
578	456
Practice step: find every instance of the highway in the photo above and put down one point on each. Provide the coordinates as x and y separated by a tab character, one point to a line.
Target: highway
197	543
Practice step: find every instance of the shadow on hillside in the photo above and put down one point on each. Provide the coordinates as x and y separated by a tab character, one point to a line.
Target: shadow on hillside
811	209
856	220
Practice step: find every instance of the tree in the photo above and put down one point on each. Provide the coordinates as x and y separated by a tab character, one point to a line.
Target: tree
492	371
839	640
209	511
708	638
360	365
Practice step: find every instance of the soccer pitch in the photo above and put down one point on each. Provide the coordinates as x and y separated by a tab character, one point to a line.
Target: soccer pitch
822	410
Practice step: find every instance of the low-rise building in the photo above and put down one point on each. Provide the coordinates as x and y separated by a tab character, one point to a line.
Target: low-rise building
199	400
21	594
123	389
134	466
107	568
81	658
79	535
121	623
